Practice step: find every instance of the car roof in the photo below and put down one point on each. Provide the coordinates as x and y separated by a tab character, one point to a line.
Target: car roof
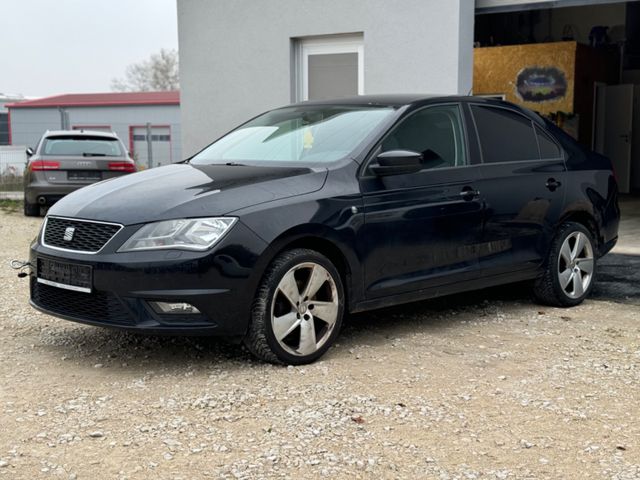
416	100
391	100
80	133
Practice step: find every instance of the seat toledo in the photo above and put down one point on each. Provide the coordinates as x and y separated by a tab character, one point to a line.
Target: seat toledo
272	233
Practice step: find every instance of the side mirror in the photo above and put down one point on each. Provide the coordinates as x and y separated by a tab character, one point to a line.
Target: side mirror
397	162
30	152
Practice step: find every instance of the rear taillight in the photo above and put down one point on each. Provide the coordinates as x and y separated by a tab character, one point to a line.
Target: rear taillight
39	165
122	166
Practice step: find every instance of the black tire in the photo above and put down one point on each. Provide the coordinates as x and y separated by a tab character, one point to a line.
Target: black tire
260	338
548	289
31	209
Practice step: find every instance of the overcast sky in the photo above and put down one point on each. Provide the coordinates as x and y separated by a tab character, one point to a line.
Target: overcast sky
49	47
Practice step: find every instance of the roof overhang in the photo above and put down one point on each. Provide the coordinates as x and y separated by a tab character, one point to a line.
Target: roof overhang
501	6
101	100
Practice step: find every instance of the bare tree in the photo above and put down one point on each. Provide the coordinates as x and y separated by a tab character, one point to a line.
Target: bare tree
158	73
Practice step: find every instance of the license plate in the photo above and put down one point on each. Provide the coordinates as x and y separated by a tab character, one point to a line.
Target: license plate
69	276
83	175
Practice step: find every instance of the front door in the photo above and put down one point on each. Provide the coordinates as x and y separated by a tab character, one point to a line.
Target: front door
422	229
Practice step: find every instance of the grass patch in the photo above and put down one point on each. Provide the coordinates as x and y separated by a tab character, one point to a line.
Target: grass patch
10	206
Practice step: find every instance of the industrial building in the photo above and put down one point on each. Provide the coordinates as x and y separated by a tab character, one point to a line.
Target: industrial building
129	115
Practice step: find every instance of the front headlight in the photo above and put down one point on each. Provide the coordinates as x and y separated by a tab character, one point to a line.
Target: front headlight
186	234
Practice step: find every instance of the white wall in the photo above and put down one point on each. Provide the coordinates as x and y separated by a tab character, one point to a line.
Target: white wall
236	55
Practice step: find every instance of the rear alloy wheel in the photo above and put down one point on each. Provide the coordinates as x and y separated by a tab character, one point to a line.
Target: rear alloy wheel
298	310
571	268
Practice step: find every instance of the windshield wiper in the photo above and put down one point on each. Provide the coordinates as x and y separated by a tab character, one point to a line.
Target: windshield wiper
89	154
235	164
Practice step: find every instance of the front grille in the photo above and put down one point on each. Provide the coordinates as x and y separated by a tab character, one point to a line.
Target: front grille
78	235
97	306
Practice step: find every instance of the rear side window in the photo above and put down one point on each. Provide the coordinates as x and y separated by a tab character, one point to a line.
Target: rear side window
505	136
548	148
82	146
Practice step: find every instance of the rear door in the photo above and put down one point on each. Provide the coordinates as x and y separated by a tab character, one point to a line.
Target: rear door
523	185
422	229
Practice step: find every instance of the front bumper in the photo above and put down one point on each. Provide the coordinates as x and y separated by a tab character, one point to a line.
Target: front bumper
220	283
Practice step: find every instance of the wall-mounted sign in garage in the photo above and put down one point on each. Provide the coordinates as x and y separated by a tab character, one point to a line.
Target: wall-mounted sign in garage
541	84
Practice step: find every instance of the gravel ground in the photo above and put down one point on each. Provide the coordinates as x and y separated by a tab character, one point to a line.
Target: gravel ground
482	385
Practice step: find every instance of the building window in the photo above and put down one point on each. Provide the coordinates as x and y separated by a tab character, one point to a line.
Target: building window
4	129
329	67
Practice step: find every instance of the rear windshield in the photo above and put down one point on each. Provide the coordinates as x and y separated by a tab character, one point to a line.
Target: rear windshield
82	146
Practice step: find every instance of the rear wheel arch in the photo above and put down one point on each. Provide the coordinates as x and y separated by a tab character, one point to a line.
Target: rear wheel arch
585	218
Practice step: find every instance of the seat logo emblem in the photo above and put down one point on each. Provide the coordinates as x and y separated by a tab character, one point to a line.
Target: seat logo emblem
68	234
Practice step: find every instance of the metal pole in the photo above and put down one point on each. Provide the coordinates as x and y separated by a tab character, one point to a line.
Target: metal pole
149	147
62	118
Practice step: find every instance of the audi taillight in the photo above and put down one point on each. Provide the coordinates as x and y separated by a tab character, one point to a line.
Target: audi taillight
122	167
39	165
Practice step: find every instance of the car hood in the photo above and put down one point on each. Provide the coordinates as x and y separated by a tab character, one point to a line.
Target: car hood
184	190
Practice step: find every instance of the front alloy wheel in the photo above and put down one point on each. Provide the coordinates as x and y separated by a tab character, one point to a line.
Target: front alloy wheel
304	309
298	310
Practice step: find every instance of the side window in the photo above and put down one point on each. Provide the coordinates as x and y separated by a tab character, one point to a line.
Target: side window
505	136
435	132
548	148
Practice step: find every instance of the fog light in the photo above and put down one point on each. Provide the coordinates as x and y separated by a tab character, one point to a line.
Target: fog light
173	307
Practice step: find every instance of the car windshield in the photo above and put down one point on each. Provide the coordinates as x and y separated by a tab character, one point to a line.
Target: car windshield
296	134
82	146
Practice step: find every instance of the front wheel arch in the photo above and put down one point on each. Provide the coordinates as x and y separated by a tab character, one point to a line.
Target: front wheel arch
324	241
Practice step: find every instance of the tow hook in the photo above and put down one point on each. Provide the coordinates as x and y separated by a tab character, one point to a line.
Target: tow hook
20	265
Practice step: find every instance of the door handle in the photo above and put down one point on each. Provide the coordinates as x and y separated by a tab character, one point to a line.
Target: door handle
469	193
552	184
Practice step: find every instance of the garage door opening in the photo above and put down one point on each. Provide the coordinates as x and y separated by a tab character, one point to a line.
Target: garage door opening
578	66
159	147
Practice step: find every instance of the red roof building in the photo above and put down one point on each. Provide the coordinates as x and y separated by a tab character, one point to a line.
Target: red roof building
125	113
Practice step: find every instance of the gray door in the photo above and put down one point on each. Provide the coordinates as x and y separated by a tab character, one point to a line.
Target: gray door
333	75
614	137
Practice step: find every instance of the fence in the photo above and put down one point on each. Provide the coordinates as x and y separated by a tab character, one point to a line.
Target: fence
13	160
